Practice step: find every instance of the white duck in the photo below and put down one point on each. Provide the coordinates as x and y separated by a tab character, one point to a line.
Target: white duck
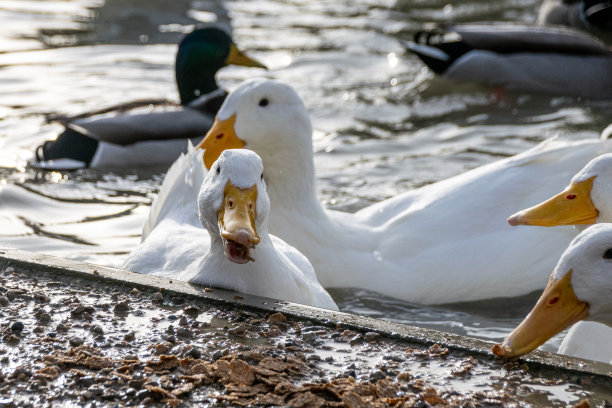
240	254
445	242
580	288
587	200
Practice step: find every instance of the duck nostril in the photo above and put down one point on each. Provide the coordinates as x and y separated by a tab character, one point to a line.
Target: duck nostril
230	204
553	300
219	136
570	196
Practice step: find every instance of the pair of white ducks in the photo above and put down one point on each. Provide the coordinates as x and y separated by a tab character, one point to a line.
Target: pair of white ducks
443	243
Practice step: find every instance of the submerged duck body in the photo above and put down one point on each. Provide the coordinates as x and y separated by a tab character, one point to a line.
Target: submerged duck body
552	60
233	206
442	243
579	289
158	137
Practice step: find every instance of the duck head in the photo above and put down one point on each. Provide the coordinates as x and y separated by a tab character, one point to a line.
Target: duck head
233	203
200	55
262	115
585	201
580	288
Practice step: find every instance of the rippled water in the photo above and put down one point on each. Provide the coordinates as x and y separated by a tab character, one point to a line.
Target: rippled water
383	123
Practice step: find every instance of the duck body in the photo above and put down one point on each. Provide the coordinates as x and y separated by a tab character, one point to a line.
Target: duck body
588	15
550	60
173	246
442	243
119	136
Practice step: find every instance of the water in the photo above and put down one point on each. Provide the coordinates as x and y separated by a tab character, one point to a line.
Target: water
383	123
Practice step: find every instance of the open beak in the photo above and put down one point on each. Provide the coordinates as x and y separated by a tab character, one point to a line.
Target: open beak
220	137
557	309
573	206
237	57
236	219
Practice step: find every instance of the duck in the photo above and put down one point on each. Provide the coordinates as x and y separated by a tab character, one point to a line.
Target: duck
524	58
151	138
587	15
233	208
585	201
442	243
578	290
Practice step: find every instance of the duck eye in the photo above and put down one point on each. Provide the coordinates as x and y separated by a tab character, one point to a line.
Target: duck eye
218	169
263	102
262	176
608	254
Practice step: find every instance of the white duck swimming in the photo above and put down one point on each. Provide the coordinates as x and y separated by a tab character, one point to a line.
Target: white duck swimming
580	288
445	242
240	254
587	200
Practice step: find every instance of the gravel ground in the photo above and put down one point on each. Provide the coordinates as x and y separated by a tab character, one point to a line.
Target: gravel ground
66	341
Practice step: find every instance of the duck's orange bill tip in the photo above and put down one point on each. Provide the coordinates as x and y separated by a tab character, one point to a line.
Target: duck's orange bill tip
220	137
573	206
557	309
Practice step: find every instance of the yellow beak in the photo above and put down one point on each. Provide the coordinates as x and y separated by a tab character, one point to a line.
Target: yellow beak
236	219
557	309
572	206
220	137
237	57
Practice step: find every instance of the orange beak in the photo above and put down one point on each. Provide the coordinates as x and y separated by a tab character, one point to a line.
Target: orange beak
220	137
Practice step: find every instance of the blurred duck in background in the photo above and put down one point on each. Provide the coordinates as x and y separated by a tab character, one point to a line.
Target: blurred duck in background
579	288
586	200
587	15
528	58
115	137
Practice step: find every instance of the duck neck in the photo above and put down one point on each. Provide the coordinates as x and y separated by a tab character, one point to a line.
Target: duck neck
191	87
291	181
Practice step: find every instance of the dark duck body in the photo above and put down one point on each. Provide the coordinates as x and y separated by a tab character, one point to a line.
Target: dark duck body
550	60
157	137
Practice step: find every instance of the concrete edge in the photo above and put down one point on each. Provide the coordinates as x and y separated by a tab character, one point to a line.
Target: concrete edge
24	259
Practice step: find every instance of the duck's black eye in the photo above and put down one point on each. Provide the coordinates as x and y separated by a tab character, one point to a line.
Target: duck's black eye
263	102
262	176
218	170
608	254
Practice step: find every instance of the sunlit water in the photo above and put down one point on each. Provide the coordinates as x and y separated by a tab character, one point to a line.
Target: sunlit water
383	123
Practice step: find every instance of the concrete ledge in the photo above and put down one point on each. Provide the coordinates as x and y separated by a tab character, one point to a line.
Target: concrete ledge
30	262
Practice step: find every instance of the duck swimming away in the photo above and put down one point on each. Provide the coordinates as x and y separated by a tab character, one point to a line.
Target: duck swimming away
239	254
442	243
550	60
158	137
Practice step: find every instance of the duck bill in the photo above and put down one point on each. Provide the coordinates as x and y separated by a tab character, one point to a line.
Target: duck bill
557	309
237	57
220	137
573	206
236	219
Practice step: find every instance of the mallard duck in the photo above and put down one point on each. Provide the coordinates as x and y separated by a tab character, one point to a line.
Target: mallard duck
579	289
442	243
158	137
589	15
553	60
233	206
587	200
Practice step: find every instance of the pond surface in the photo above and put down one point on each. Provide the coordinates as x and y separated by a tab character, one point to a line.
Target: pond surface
383	123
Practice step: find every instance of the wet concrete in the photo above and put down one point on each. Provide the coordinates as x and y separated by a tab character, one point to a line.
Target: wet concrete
86	335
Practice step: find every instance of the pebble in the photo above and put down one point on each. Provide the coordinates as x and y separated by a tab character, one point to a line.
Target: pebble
122	306
157	297
76	341
44	318
371	336
17	326
6	403
4	301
